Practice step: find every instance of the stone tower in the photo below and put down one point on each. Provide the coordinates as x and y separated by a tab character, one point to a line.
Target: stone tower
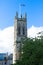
20	31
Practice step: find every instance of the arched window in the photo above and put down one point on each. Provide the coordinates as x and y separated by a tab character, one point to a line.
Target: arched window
23	31
19	30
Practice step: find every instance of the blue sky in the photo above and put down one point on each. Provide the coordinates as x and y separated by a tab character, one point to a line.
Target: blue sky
33	8
8	8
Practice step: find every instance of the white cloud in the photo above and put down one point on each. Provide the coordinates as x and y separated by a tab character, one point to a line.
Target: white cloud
32	31
7	37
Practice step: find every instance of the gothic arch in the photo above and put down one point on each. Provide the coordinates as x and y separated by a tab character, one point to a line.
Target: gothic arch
19	29
23	30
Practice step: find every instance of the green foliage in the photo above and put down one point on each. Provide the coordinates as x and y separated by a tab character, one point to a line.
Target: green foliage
32	52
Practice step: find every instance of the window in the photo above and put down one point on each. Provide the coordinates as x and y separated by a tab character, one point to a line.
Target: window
19	30
23	31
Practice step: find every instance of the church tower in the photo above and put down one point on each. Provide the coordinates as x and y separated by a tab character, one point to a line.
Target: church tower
20	31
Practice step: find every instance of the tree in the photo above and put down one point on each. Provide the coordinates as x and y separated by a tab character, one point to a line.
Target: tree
32	52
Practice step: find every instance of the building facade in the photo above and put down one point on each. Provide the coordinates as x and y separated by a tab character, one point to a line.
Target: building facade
3	58
20	31
6	59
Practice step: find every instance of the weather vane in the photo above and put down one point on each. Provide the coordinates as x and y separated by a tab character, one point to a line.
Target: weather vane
22	5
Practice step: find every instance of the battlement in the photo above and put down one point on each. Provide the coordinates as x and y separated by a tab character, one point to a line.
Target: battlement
21	17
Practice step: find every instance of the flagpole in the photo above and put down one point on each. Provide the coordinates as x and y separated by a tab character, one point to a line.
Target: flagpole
22	5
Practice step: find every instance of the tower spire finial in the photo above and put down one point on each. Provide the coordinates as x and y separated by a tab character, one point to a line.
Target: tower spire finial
16	14
25	15
21	15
